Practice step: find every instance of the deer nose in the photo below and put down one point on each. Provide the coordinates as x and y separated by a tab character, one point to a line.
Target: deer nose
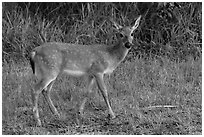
128	45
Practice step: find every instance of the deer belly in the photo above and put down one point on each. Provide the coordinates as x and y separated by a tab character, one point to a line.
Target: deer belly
75	69
74	72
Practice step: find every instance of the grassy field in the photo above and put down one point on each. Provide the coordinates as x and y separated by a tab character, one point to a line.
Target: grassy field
148	97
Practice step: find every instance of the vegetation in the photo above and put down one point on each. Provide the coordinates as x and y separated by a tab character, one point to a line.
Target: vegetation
156	90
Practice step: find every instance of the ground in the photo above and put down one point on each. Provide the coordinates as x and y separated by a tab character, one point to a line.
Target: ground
148	96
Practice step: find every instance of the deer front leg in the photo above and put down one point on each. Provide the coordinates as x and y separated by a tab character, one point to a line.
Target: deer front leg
102	87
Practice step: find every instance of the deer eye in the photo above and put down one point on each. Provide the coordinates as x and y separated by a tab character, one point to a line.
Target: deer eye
121	35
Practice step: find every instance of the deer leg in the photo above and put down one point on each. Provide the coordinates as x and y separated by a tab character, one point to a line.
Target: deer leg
91	81
102	87
46	94
35	96
35	106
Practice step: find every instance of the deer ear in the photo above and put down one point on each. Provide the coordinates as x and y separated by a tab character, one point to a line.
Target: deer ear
136	23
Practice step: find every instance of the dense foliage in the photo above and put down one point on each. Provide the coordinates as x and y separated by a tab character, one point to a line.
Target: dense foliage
167	29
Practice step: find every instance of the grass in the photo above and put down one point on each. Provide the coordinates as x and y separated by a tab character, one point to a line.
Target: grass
137	91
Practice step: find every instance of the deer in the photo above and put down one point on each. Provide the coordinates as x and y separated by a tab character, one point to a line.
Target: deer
51	59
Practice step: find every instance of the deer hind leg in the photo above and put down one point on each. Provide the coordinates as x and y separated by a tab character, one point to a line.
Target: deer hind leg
102	88
46	94
39	87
